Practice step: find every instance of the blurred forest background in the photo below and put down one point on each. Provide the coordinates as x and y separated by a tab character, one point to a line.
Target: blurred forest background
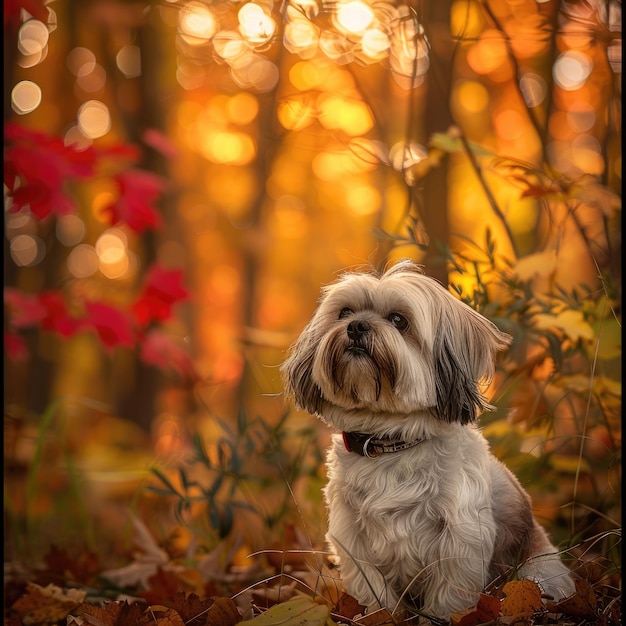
181	177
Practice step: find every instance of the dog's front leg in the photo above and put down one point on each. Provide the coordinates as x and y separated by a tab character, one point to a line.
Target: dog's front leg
362	578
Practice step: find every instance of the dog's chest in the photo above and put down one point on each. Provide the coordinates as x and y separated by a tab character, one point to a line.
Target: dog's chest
400	492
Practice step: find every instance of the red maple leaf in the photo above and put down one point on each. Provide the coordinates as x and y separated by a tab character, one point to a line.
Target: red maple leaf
138	189
25	309
15	346
57	317
13	11
113	326
38	165
161	290
162	351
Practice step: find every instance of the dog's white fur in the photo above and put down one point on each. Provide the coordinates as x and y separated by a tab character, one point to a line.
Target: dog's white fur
398	356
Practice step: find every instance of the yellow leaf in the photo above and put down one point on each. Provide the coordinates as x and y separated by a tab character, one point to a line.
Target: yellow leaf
568	464
539	264
572	323
609	333
296	612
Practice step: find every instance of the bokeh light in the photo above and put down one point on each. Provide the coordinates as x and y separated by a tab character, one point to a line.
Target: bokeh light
70	229
25	97
354	16
27	250
197	24
128	61
82	261
94	119
572	69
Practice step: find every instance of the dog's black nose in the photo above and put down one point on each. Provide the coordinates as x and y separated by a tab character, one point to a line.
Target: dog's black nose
358	328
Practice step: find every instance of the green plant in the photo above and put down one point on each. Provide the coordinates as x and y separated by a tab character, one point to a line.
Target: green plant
251	471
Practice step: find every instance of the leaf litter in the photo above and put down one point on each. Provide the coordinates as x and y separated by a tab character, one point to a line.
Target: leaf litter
292	588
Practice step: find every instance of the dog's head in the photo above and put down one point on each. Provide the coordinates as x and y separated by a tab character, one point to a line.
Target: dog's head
394	343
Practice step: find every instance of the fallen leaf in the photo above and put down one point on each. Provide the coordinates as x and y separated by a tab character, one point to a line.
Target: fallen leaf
223	612
583	603
378	618
301	611
348	607
164	616
521	596
46	605
114	614
487	609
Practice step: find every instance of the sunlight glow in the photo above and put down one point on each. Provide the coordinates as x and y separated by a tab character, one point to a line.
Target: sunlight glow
232	148
70	229
25	97
128	61
375	44
533	88
362	199
82	261
112	252
81	61
572	69
94	119
255	25
32	37
296	113
301	37
354	16
471	96
242	108
351	116
196	23
27	250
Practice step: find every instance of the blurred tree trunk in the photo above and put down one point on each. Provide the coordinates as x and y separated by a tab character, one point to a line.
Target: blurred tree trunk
437	119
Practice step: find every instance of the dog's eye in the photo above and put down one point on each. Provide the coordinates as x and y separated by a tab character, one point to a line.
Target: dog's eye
345	312
399	321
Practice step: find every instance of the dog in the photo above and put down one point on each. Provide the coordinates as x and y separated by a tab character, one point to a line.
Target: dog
421	515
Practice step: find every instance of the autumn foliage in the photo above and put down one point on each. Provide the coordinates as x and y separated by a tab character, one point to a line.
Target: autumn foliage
204	517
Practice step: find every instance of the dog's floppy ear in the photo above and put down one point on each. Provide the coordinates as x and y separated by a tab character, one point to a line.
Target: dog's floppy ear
465	346
297	372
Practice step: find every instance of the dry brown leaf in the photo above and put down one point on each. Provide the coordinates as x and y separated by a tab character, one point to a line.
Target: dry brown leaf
348	607
164	616
581	604
487	609
522	596
114	614
223	612
46	605
378	618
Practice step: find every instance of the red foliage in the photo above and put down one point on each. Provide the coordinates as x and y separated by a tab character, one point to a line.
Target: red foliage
137	191
161	290
113	326
13	11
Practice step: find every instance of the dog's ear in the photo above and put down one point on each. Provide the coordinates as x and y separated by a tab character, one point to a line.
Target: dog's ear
465	346
297	373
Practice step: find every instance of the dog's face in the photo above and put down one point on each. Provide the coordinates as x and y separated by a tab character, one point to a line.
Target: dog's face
393	344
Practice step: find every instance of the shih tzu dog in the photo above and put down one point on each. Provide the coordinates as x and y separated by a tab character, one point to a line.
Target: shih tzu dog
420	514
